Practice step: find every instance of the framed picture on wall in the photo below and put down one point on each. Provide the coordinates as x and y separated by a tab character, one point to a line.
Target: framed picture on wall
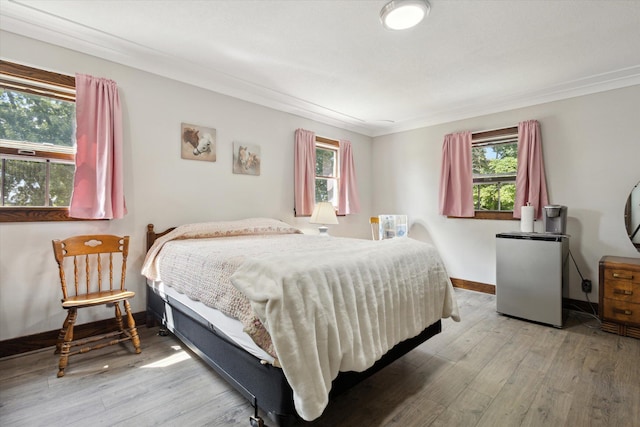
246	158
198	142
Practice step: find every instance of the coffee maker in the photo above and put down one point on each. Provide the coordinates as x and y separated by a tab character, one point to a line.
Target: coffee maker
555	219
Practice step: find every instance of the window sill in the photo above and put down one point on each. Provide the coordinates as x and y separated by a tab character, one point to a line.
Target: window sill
489	215
29	214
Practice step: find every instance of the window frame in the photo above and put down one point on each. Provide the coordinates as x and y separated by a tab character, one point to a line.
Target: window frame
329	144
44	83
484	137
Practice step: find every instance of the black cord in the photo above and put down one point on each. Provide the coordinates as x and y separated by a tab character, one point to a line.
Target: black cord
591	305
582	280
576	264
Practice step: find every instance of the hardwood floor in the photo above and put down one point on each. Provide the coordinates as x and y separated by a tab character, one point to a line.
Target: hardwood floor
488	370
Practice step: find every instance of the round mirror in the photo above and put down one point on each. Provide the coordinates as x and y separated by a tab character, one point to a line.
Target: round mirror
632	216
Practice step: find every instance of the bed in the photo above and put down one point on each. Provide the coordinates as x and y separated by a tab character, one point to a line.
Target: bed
290	319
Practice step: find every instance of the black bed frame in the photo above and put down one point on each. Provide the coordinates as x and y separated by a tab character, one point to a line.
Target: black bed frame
264	385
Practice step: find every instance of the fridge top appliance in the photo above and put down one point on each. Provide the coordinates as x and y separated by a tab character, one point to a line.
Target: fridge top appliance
555	219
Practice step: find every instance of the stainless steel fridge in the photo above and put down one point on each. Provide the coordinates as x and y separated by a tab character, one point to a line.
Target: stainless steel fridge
532	269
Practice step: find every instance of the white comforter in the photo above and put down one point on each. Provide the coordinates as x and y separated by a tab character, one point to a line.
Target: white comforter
341	310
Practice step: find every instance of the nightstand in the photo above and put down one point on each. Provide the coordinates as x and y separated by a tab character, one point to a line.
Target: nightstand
619	295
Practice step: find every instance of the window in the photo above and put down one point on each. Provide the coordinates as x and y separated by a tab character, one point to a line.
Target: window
37	143
495	160
327	167
324	171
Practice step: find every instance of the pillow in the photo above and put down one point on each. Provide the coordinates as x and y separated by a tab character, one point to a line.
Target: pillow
242	227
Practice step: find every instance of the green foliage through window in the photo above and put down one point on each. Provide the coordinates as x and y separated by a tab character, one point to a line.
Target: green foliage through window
37	134
326	175
494	175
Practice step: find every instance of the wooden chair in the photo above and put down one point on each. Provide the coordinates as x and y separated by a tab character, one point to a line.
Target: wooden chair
93	274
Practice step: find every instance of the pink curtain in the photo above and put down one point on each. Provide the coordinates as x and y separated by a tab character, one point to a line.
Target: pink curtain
304	170
348	200
456	176
531	185
98	188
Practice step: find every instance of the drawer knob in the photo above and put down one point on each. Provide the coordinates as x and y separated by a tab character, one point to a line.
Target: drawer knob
625	312
622	276
622	292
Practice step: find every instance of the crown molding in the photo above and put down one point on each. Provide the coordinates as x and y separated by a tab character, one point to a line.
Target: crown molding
26	21
586	86
32	23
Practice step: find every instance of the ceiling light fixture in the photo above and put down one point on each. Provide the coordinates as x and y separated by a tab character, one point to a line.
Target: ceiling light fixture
403	14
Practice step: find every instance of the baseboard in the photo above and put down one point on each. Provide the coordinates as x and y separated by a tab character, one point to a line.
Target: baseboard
574	304
485	288
48	339
568	303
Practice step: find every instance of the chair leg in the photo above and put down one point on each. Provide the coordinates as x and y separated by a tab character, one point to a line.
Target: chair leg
62	333
66	345
132	327
119	317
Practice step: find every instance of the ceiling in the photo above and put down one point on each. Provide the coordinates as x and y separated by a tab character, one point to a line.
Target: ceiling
332	61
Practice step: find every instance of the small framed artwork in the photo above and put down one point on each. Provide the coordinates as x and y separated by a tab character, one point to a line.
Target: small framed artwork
246	159
198	142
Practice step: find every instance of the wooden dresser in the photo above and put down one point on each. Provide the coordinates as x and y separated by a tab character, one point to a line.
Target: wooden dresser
619	303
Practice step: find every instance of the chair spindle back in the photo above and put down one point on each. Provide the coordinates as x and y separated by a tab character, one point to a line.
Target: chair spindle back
94	251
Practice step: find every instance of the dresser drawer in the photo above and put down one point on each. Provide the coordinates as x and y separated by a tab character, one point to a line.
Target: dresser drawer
622	290
619	296
621	311
625	275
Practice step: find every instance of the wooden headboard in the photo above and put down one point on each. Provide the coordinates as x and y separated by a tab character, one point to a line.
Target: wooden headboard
152	235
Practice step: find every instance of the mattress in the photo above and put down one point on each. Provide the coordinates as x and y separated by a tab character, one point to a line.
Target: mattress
229	328
323	305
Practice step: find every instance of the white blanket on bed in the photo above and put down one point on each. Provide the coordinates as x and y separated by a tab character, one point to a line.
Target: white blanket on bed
341	310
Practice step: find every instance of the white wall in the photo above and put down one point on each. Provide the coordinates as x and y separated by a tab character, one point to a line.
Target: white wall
592	157
591	151
160	187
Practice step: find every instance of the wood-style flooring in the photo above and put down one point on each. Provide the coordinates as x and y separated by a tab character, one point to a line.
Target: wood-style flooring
487	370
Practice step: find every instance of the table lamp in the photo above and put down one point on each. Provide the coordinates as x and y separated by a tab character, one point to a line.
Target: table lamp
323	213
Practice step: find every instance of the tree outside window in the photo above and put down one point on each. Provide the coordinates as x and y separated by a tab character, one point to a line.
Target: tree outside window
326	173
495	163
36	128
37	143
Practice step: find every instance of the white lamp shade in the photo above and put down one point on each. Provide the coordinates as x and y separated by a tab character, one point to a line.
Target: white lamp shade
324	213
403	14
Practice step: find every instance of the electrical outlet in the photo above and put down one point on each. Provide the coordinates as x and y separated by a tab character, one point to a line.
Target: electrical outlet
586	286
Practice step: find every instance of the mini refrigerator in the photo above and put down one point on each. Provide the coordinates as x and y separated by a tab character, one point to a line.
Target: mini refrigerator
532	270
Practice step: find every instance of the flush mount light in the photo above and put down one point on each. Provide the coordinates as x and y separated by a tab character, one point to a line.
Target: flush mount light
403	14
